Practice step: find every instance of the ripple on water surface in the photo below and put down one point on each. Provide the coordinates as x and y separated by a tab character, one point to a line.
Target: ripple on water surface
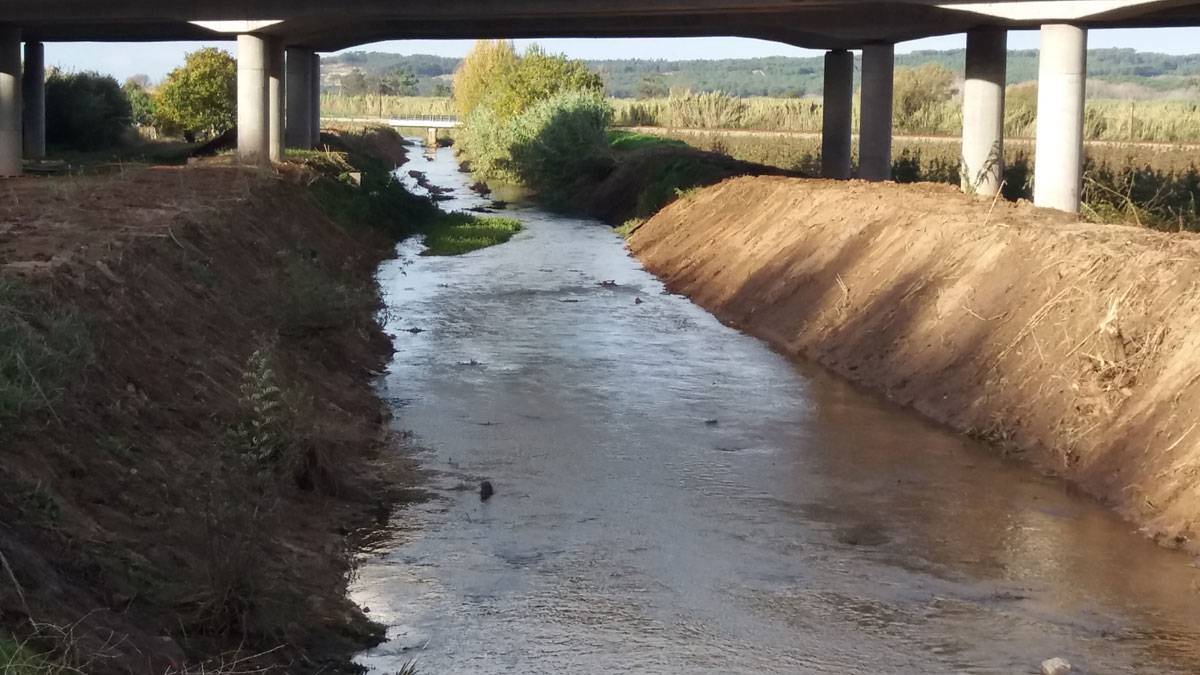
673	497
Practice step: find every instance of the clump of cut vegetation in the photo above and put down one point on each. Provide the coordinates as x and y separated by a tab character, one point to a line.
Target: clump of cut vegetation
458	233
42	346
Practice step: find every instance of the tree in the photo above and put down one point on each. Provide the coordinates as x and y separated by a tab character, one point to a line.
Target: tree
86	111
355	83
141	104
917	90
141	81
536	77
199	98
653	85
399	82
488	61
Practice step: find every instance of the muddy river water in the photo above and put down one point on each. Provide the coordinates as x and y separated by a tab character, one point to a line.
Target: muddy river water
674	497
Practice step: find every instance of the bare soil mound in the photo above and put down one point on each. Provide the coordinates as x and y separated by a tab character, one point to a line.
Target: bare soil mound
137	532
1075	344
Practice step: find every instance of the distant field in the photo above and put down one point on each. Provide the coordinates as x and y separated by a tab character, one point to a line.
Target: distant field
336	105
1150	185
1171	121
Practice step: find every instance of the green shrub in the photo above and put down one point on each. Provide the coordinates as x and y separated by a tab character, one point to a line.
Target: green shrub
919	95
484	139
560	140
85	111
41	349
142	107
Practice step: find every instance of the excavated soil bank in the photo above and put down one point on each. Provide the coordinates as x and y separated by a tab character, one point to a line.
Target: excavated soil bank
1074	344
137	538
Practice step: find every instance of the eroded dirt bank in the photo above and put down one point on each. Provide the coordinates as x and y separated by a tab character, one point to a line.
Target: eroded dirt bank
1073	344
183	496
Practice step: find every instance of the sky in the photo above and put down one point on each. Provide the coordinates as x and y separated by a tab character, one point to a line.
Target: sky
156	60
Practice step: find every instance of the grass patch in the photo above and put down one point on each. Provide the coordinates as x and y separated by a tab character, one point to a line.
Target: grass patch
630	226
675	179
458	233
41	347
628	140
18	659
314	299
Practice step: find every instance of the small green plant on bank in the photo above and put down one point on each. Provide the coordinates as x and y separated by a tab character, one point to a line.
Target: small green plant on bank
264	432
630	226
458	233
19	659
41	348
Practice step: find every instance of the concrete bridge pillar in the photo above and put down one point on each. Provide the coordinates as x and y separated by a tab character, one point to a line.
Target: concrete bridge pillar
837	118
33	97
299	99
875	115
431	137
10	101
983	111
1062	75
315	90
275	100
253	109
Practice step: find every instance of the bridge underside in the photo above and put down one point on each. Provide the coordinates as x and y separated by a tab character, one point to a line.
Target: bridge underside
279	83
331	26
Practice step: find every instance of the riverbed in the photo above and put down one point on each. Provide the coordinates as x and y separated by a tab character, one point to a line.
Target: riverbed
672	496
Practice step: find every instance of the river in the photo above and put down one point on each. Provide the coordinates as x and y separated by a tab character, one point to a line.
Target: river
674	497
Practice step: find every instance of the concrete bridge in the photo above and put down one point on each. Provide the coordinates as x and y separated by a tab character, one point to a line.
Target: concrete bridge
278	67
431	123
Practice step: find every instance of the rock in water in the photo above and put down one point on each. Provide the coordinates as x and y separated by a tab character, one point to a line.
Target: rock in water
486	490
1056	666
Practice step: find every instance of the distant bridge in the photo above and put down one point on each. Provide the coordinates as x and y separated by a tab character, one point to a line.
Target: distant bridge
420	122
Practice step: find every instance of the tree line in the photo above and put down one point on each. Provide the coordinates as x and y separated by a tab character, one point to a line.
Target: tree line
776	76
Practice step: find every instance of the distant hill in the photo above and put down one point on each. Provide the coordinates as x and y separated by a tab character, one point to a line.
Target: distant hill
1145	73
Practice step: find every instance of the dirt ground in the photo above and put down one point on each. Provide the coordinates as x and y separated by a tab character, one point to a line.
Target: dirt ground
136	542
1074	345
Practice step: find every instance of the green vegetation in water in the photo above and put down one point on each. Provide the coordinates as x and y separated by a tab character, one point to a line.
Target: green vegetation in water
43	345
458	233
359	190
627	141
